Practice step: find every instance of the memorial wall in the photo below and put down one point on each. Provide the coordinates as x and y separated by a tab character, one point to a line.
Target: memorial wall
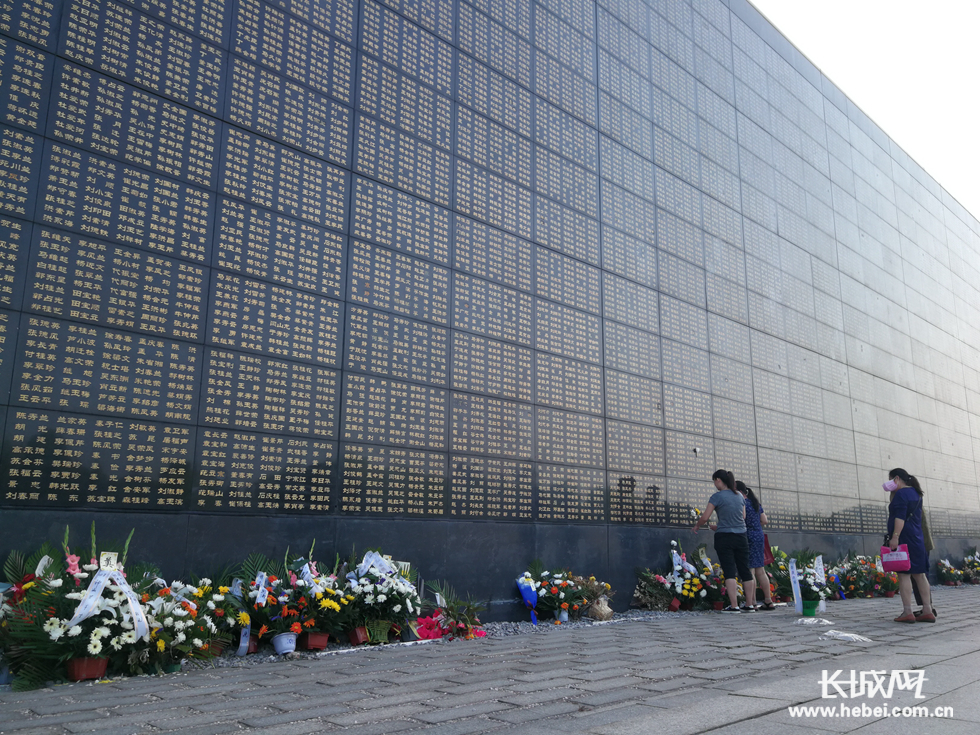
504	267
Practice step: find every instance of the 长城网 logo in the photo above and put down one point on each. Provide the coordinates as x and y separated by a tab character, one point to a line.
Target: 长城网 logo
871	684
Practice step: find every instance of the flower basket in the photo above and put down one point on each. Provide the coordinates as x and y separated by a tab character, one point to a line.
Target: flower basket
313	640
409	633
378	630
810	608
284	643
89	667
358	636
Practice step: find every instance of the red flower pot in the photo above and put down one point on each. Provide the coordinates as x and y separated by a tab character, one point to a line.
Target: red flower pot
719	605
950	584
675	605
313	640
80	669
358	636
890	593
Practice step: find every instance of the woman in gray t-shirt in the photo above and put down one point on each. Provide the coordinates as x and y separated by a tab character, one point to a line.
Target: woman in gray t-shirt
731	542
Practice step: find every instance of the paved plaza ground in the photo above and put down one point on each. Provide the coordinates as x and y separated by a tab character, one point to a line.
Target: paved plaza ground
684	674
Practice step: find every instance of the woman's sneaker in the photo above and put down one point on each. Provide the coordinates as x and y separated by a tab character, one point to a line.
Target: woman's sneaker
731	609
747	608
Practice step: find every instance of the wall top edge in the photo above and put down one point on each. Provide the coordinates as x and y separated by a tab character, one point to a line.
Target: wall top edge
768	32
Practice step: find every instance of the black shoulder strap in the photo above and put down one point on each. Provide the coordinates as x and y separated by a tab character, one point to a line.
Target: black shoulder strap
912	510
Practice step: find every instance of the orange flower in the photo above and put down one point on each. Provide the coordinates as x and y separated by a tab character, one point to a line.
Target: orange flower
164	592
554	590
564	584
189	608
288	612
273	578
574	607
145	597
219	612
309	622
263	630
564	606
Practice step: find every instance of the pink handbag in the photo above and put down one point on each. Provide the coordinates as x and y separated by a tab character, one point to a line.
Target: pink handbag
895	561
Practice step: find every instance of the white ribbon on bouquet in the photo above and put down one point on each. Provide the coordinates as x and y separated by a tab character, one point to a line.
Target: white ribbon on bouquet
89	605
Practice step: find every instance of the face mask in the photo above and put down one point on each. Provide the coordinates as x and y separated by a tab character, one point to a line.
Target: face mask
890	486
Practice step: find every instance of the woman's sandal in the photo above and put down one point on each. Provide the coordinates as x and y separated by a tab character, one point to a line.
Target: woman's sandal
766	606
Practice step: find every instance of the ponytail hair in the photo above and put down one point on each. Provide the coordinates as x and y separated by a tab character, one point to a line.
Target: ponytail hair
726	477
747	492
910	480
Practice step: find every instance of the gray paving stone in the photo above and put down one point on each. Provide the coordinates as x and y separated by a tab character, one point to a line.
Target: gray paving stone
375	715
454	699
164	704
455	713
610	696
379	728
581	721
604	685
215	728
39	722
530	714
119	730
306	727
286	717
541	696
671	684
477	686
534	686
463	727
186	721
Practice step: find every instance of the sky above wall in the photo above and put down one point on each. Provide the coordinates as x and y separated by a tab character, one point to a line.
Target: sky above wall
913	67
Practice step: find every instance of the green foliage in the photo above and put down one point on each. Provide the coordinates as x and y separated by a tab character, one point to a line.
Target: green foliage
255	563
650	593
459	616
13	568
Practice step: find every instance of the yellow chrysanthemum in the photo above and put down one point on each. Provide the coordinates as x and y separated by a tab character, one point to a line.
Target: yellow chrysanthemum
224	590
243	618
161	646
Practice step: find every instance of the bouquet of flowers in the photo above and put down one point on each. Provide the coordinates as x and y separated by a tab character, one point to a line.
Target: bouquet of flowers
778	572
59	611
454	618
597	593
811	589
652	591
971	567
947	573
886	582
857	575
558	593
184	624
713	584
384	595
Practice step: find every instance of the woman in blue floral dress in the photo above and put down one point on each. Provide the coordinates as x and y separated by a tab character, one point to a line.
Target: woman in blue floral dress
755	519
